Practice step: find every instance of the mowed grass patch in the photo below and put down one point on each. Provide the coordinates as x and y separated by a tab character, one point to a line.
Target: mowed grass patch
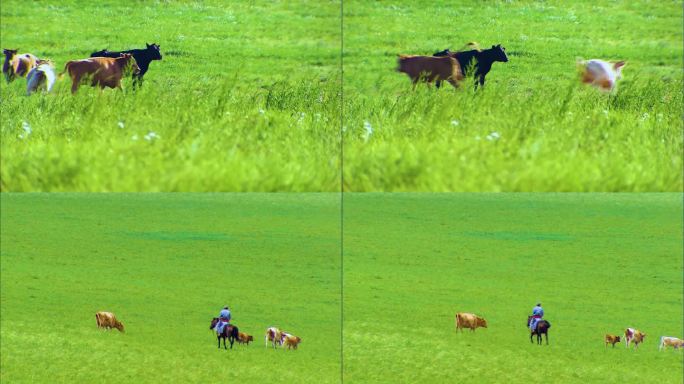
599	263
534	127
165	264
245	98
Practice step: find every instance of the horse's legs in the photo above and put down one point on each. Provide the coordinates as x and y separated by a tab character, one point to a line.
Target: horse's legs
218	338
547	338
531	334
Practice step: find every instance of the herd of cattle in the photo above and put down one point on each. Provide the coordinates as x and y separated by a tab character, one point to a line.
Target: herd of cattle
277	337
107	68
103	68
635	336
454	66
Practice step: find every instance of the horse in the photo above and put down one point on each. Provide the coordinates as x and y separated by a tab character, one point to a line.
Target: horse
230	332
541	328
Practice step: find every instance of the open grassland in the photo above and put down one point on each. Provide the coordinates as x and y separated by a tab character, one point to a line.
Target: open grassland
165	265
245	98
598	262
534	127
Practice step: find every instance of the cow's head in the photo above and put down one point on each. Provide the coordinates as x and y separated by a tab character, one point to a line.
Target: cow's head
499	53
129	63
154	51
617	339
482	322
9	53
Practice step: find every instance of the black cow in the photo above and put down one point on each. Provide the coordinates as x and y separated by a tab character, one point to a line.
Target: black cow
142	56
483	61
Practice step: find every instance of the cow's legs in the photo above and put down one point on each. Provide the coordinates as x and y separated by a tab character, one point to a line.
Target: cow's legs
74	84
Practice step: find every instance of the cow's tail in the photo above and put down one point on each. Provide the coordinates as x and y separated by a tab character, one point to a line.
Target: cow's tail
66	69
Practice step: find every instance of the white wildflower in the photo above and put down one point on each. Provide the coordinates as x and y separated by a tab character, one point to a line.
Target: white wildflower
134	137
368	130
27	130
121	124
152	136
645	116
261	111
455	123
493	136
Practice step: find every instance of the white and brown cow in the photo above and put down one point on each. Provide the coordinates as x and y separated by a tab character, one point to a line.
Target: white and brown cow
634	336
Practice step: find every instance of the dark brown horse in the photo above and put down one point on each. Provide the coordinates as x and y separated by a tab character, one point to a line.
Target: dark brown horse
541	328
230	332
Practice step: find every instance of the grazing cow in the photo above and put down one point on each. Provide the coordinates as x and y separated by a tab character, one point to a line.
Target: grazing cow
634	335
107	320
674	342
611	339
291	341
275	336
484	59
244	338
142	56
430	68
42	76
17	64
601	74
469	320
100	71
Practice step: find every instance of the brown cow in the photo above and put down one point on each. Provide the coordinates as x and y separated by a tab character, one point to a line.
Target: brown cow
107	320
244	338
100	71
291	341
674	342
430	68
634	335
611	339
469	320
17	64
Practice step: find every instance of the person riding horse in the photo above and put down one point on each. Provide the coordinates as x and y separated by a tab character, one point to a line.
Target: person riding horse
224	319
537	315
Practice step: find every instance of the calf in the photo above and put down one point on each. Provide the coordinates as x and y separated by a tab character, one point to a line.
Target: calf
674	342
17	64
483	61
601	74
634	335
611	339
430	68
142	56
291	341
42	76
100	71
244	338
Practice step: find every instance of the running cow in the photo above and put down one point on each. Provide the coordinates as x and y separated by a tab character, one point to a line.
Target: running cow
100	71
480	60
143	58
429	69
17	64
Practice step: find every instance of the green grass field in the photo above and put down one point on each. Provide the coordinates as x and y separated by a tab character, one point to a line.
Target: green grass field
534	127
165	264
245	98
598	262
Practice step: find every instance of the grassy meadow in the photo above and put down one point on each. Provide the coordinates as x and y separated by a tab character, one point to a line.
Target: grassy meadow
245	98
599	263
165	264
534	127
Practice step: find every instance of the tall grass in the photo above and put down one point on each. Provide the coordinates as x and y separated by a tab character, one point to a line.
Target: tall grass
533	127
245	98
